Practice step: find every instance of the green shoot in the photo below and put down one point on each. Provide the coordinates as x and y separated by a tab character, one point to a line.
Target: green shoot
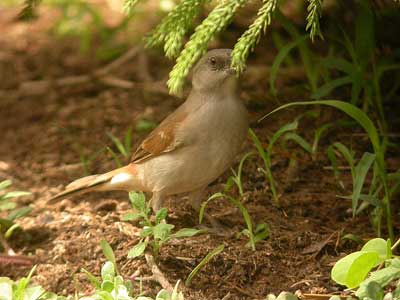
154	233
217	250
237	176
262	230
124	147
378	146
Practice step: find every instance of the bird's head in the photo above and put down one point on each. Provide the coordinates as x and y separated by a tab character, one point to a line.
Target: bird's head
214	72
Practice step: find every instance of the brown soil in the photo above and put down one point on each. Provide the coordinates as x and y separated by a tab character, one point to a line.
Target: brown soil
43	136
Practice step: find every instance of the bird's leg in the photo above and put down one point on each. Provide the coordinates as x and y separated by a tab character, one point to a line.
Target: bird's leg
196	198
156	201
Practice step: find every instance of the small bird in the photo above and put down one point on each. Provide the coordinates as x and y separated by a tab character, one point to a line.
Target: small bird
191	148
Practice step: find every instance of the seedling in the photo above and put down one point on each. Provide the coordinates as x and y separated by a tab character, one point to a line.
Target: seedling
7	225
260	233
236	178
124	147
21	290
380	178
155	232
354	270
112	286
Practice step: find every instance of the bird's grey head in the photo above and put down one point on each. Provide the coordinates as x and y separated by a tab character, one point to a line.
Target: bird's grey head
214	72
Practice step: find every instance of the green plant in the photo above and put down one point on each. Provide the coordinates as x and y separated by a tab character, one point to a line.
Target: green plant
360	66
255	235
155	232
112	286
124	148
214	252
236	178
354	270
380	177
266	154
7	225
22	290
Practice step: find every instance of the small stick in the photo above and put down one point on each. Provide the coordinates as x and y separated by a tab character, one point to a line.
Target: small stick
157	274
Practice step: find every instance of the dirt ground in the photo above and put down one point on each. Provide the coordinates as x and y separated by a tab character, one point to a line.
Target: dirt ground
44	135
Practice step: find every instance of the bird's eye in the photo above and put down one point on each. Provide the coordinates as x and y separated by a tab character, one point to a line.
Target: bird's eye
213	61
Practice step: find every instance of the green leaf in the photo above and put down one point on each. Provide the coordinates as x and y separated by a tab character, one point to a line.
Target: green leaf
161	215
374	291
130	216
383	277
299	140
187	232
93	280
137	250
354	112
109	253
204	204
204	261
14	194
162	295
7	206
379	246
284	129
338	63
19	213
138	201
146	231
328	87
365	32
108	269
5	184
11	230
6	292
162	231
352	269
107	285
104	295
280	57
360	173
118	144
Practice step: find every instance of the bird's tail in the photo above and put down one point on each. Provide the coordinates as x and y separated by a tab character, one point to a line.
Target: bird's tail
120	179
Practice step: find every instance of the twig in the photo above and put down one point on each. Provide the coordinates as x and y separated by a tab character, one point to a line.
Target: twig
39	87
157	274
318	297
16	260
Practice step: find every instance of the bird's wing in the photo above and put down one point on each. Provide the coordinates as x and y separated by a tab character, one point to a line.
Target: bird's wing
161	140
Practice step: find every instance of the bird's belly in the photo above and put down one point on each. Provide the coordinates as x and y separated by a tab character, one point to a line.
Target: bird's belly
187	169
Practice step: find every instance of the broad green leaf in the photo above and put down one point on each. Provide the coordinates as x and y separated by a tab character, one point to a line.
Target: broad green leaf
279	58
137	250
383	277
6	292
138	201
352	269
162	295
146	231
204	261
107	285
130	216
33	293
360	173
108	269
379	246
187	232
162	231
374	291
161	215
104	295
328	87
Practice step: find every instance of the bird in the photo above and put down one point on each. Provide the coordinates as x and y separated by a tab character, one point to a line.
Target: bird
190	148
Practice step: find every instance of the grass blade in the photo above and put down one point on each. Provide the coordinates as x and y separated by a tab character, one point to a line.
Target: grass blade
205	261
108	253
